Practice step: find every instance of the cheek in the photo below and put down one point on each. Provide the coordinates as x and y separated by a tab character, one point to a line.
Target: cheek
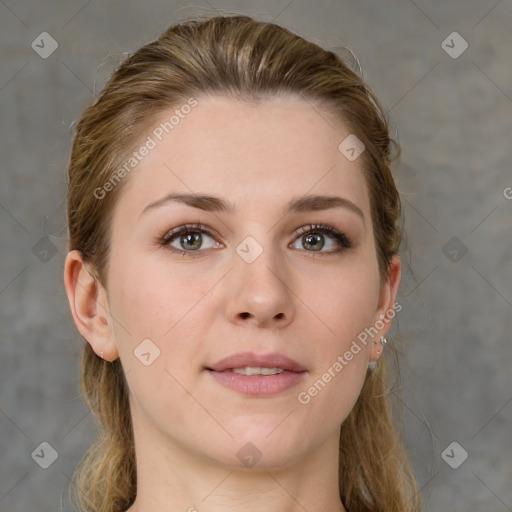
155	304
345	311
167	307
153	301
347	301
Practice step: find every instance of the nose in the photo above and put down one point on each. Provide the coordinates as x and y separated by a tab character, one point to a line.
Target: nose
260	291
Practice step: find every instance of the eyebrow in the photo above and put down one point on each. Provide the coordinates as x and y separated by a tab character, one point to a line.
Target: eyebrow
210	203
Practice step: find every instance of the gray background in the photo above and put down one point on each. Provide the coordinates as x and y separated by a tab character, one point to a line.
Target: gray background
453	117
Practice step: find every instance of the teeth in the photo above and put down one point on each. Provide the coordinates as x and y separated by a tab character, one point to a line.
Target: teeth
257	371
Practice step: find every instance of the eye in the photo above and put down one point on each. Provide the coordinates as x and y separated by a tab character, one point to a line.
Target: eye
313	236
189	239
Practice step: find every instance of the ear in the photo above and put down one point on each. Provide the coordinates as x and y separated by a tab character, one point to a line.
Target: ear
89	306
385	310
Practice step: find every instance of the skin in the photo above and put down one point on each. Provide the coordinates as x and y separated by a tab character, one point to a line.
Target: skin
306	304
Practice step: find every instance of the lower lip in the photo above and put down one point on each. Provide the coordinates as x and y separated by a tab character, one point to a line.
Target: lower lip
258	385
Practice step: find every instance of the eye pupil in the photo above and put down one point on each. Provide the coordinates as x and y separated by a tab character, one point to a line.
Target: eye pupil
314	238
190	237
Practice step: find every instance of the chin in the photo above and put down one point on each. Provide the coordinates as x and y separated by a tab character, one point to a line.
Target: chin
267	446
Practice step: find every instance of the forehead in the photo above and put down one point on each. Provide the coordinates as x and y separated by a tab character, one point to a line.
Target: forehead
253	154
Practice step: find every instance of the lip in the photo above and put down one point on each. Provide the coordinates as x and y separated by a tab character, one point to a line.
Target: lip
257	385
244	359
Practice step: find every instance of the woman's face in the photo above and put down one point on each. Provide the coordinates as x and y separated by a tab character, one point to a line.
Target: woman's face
255	281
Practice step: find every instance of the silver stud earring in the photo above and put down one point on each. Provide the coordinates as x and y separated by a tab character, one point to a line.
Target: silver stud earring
102	354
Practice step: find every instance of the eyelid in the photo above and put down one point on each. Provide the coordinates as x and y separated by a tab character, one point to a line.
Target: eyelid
184	229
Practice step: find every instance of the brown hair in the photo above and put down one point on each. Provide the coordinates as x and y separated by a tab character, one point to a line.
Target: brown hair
246	59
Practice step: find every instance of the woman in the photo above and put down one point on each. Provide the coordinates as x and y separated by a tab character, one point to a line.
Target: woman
233	267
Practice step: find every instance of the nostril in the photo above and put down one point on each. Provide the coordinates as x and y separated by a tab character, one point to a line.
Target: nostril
245	315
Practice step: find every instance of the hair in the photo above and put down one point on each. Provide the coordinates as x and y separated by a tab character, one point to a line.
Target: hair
241	58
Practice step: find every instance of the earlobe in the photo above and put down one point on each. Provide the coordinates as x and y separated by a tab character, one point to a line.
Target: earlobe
88	303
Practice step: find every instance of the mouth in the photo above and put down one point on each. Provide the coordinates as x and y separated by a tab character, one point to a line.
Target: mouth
257	376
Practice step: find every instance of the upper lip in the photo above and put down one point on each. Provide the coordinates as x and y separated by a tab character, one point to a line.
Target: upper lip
249	359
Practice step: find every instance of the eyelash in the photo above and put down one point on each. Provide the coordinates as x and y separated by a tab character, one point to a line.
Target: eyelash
326	229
